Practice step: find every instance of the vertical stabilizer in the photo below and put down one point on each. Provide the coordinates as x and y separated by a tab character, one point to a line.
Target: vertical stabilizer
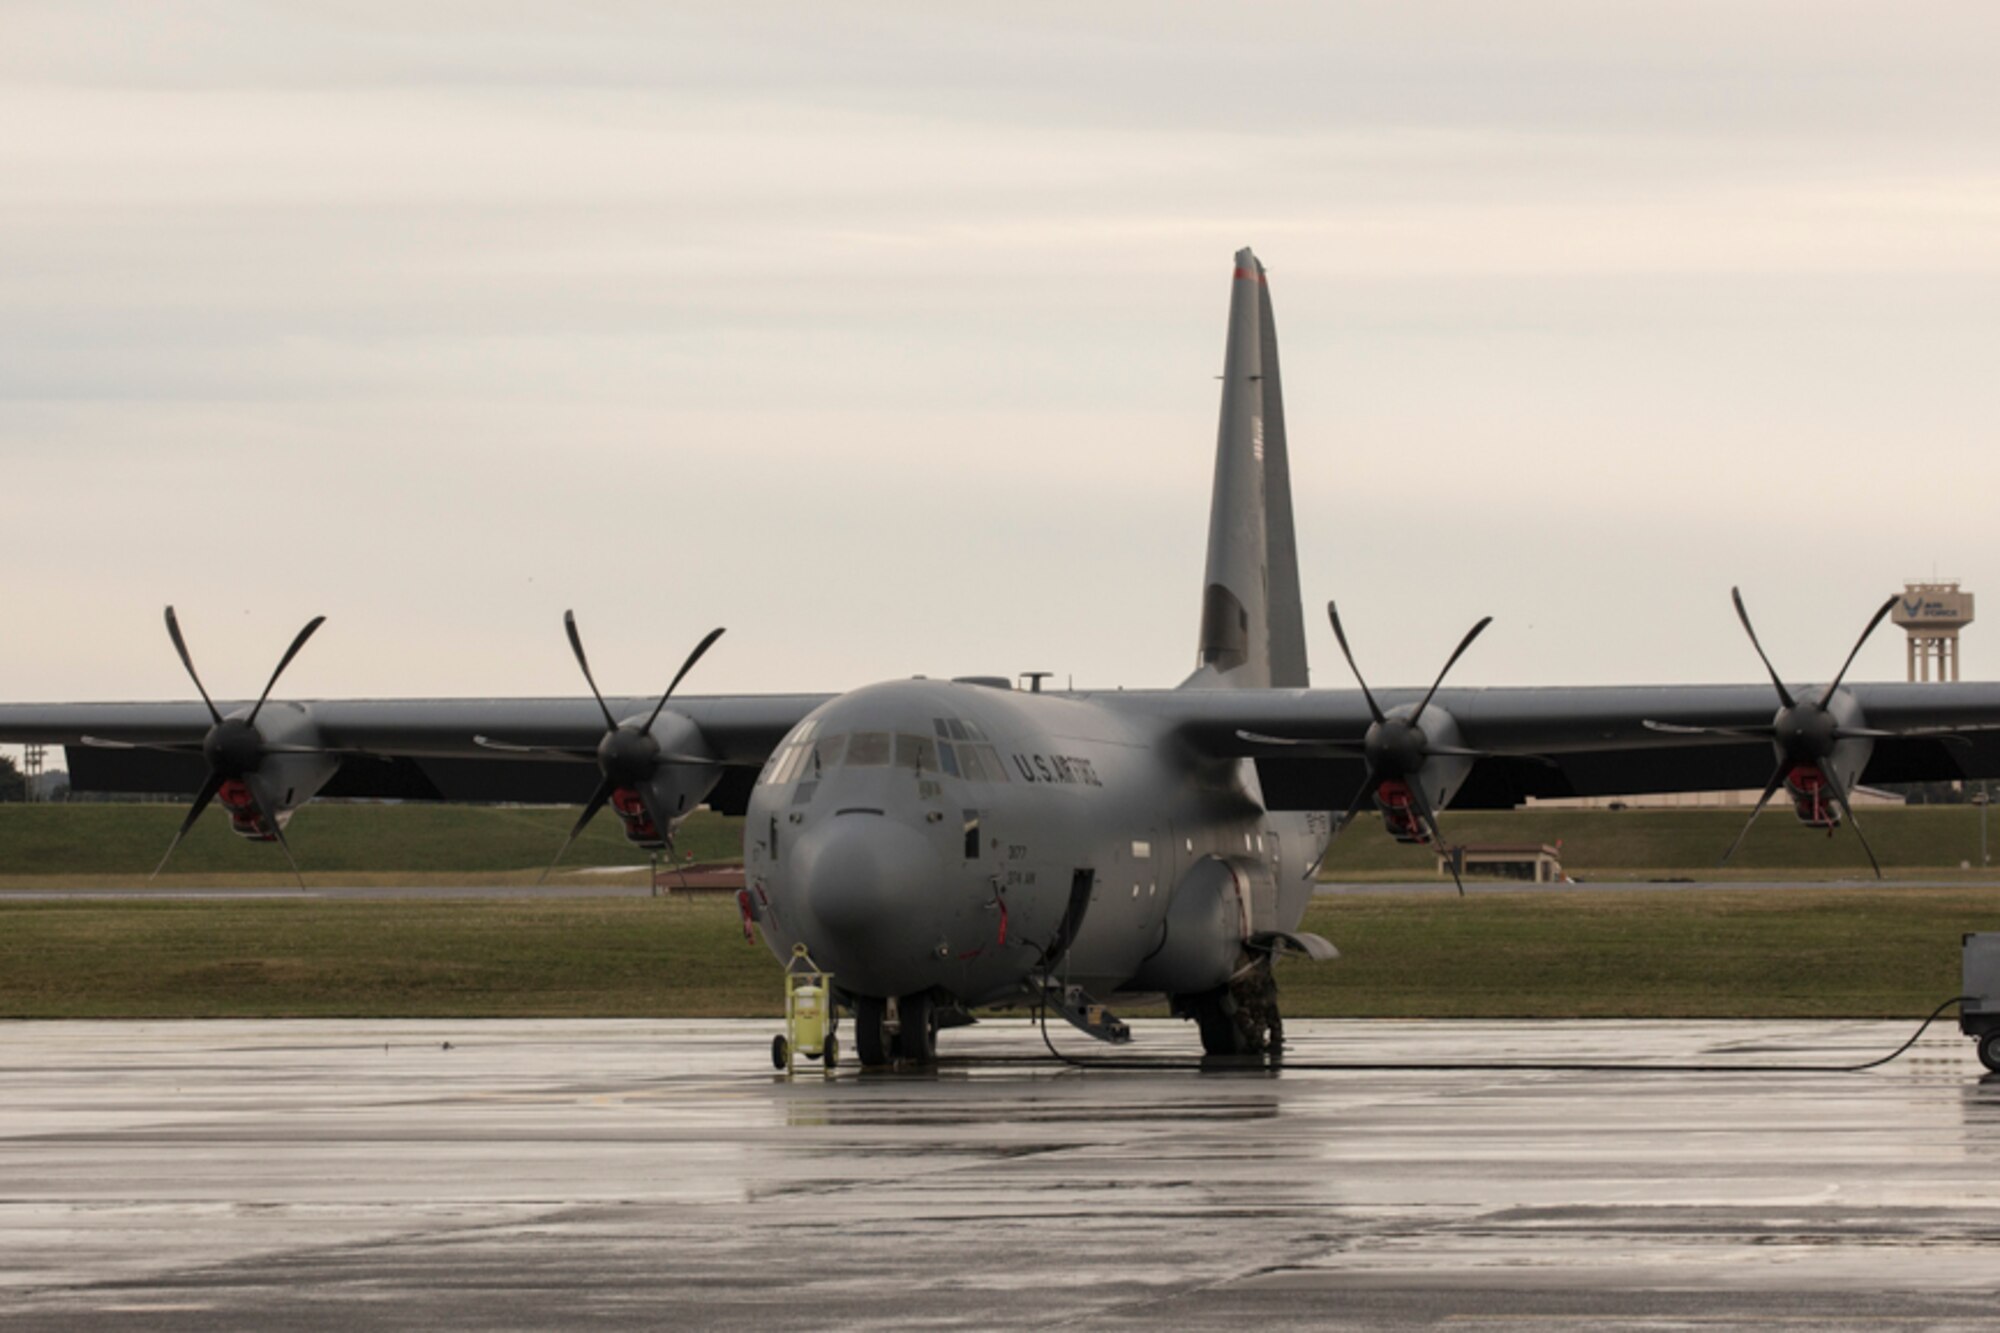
1252	623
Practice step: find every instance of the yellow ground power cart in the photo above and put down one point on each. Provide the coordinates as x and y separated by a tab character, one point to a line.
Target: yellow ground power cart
811	1021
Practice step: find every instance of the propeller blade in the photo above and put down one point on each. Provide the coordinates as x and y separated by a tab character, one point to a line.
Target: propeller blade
1880	613
266	817
509	747
180	646
1777	780
1840	794
1457	653
1938	733
1360	794
297	643
1733	733
1949	735
1374	709
1335	749
576	646
653	813
1461	752
207	793
290	860
1784	695
686	667
1429	816
597	801
162	747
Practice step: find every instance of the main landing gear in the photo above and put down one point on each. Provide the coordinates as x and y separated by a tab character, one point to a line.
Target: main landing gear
900	1032
1240	1018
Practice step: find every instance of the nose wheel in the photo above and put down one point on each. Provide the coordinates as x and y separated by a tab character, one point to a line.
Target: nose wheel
914	1040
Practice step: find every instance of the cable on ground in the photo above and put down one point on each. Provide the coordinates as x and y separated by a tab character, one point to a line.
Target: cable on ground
1278	1063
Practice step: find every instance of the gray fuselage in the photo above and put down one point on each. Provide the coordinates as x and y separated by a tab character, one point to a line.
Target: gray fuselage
932	836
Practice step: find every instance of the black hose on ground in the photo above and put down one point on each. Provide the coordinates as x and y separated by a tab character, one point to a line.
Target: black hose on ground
1278	1064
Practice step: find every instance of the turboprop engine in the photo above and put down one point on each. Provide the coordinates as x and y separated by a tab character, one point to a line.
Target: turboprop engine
1414	761
262	764
1821	740
654	769
1822	743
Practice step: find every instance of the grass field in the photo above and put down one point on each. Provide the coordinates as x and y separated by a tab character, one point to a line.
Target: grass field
1630	953
1861	951
359	844
345	844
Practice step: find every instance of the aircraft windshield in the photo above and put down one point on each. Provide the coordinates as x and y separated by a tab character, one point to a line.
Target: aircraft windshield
805	759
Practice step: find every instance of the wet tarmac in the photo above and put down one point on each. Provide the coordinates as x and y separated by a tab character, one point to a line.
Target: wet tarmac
322	1175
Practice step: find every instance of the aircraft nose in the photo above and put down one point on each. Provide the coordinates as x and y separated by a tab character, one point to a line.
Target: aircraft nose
869	885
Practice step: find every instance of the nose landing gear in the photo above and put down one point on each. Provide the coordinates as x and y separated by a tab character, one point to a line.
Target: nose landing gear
898	1030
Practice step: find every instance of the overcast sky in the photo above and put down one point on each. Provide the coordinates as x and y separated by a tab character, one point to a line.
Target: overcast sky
887	336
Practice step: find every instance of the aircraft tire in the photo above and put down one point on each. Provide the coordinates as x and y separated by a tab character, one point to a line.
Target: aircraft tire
916	1042
871	1045
1214	1014
1989	1050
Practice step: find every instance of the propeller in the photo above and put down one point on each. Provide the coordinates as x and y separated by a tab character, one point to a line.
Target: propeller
1805	731
628	755
233	747
1396	748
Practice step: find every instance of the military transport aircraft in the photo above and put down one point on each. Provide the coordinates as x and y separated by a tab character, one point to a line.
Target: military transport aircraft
942	845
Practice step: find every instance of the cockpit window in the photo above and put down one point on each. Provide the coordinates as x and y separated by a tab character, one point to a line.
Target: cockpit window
783	765
957	729
826	754
800	758
917	752
969	763
868	749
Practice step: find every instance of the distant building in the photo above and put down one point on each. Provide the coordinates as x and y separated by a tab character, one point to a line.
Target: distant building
1690	800
1932	614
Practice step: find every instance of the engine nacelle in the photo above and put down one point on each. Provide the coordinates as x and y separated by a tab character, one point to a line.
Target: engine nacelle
673	790
261	801
1812	796
1438	777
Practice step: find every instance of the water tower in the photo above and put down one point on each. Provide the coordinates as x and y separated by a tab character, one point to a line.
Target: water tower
1933	614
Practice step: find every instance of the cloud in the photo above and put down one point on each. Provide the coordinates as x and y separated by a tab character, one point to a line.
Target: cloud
887	335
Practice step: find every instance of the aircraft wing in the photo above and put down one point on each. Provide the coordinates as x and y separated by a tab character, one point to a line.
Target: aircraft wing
407	749
1567	742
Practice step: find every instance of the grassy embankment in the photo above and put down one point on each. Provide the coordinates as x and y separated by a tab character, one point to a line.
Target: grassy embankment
118	845
1806	952
415	844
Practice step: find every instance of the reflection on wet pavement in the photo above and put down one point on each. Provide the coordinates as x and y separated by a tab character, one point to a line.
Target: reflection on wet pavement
319	1174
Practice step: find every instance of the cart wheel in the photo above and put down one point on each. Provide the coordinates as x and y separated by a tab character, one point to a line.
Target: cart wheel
781	1052
829	1054
1989	1050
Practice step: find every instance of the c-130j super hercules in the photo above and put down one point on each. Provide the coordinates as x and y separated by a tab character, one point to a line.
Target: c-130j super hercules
940	846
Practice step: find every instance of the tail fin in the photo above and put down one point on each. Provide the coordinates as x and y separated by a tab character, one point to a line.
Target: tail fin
1252	623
